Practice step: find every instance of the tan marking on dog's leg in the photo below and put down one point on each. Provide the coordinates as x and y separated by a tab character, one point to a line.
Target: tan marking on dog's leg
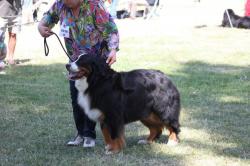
153	133
172	138
155	126
116	146
122	140
113	145
107	137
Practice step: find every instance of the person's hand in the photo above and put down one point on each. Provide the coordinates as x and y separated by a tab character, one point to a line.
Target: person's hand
44	30
111	58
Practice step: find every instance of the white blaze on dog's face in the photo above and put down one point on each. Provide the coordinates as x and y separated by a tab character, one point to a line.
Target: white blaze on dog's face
74	67
78	69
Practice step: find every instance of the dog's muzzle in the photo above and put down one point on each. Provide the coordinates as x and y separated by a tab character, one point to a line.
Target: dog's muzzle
76	73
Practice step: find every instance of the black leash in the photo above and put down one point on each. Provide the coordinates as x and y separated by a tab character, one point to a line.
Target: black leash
46	47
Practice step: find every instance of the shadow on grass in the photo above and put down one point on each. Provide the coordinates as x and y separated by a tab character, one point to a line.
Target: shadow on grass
217	100
35	104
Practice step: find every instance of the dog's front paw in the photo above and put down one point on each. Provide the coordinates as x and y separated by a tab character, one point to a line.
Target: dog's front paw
107	147
110	152
143	142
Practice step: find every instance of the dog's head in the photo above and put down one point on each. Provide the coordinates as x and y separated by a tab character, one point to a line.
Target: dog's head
86	65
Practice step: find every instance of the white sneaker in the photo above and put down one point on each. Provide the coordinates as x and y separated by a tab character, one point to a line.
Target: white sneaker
88	142
77	141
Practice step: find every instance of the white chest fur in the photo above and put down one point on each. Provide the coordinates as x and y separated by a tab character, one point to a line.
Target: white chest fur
84	100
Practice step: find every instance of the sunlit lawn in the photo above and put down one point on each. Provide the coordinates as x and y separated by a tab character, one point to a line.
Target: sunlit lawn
210	66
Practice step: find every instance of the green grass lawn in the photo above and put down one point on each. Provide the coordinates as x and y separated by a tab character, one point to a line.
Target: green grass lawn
210	66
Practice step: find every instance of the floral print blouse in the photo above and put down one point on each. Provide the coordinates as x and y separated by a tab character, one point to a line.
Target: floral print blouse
93	29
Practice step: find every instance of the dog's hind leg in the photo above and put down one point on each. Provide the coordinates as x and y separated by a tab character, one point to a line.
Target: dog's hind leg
155	126
172	137
155	132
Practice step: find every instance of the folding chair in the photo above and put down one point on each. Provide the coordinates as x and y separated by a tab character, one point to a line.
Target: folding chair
152	10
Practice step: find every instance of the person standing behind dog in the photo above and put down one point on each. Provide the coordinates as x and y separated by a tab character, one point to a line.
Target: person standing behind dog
86	27
10	16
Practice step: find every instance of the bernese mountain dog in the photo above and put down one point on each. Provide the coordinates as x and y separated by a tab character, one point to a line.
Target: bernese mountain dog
117	98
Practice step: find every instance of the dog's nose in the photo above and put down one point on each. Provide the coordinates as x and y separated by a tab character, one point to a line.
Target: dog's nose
68	66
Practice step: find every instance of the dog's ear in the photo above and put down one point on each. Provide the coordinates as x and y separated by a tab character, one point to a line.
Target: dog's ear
99	66
99	70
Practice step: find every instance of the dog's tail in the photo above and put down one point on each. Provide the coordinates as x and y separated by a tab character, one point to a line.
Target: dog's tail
168	108
173	112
